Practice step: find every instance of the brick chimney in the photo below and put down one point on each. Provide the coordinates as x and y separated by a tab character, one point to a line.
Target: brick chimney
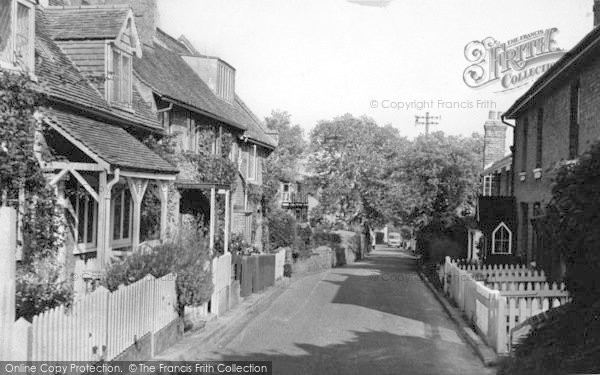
596	12
494	139
145	13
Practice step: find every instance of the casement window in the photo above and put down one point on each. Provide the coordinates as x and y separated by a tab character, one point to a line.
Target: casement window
502	240
121	217
225	82
85	210
286	192
17	34
524	145
119	82
539	140
574	119
233	153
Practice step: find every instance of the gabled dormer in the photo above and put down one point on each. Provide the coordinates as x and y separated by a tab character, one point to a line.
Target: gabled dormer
218	75
101	41
17	35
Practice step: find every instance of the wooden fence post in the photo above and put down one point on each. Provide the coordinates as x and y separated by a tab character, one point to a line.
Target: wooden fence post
8	246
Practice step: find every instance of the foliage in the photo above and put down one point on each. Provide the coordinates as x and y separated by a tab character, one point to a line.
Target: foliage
238	245
284	164
572	220
188	256
302	241
563	340
351	159
39	287
211	168
282	227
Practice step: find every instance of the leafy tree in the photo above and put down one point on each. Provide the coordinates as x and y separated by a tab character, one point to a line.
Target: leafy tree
352	161
284	164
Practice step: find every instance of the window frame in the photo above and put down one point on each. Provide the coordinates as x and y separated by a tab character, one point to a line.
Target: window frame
121	241
500	226
120	50
83	201
252	156
12	45
539	137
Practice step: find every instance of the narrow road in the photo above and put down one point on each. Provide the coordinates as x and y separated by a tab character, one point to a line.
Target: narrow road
373	317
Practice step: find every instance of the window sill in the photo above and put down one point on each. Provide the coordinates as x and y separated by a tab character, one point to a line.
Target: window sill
522	176
537	173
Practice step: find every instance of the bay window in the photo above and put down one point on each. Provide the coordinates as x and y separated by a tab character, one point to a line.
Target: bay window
17	34
119	83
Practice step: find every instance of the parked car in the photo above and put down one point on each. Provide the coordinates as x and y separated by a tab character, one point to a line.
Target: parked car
394	239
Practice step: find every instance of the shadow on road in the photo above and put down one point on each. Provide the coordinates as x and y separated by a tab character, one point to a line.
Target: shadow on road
370	352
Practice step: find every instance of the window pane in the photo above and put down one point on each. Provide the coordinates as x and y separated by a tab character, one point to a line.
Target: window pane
117	217
126	82
80	210
115	94
91	222
5	29
22	42
126	214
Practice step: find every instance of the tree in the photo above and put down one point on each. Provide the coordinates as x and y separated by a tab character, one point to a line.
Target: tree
285	163
351	159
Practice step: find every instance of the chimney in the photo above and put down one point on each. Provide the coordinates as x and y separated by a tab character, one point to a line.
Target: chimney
494	139
596	12
145	15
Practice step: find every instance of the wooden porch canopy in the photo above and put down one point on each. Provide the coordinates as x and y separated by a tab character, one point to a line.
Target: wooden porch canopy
113	154
214	188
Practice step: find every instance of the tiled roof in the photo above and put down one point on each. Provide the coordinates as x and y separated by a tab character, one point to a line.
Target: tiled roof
169	75
110	143
65	82
570	60
255	130
86	22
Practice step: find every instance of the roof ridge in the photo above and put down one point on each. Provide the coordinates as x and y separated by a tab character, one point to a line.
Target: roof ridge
83	7
159	30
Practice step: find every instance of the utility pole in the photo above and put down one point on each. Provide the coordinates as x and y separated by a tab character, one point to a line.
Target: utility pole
427	121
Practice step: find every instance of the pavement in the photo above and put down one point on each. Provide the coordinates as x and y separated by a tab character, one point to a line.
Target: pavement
373	317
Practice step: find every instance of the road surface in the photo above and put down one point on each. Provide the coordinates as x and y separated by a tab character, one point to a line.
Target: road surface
372	317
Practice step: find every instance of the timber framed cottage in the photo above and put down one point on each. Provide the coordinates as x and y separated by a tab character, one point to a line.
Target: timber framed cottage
92	150
114	82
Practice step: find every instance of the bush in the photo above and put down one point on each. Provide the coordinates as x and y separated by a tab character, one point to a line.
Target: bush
572	221
188	257
239	246
282	227
302	241
39	288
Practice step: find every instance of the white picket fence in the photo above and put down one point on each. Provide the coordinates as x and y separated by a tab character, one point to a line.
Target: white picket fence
100	325
279	263
496	312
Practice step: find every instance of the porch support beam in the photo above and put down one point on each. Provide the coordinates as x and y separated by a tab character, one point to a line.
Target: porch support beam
213	220
138	189
149	176
227	219
85	184
163	195
75	166
103	250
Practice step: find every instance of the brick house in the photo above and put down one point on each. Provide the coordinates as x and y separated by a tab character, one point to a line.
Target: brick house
92	150
556	121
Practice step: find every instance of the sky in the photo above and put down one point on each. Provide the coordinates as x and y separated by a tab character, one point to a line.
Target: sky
318	59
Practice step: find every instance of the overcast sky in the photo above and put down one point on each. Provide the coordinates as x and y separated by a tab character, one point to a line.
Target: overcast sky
321	58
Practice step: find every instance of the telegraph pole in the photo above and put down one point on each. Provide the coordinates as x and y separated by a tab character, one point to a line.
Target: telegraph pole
427	121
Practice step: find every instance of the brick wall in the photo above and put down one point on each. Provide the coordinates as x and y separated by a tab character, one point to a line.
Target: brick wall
555	146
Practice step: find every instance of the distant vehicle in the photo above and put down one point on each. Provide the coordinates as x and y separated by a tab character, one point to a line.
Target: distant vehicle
394	239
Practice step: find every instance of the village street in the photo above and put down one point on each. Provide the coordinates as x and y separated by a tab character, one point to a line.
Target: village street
375	316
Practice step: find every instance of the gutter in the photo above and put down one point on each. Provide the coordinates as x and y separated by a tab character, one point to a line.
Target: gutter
550	79
204	113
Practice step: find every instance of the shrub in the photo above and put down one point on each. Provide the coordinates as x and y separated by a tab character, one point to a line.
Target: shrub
434	246
282	227
572	222
187	256
239	246
39	287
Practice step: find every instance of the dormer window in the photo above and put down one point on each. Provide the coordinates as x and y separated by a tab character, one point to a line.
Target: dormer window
225	82
17	35
119	77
